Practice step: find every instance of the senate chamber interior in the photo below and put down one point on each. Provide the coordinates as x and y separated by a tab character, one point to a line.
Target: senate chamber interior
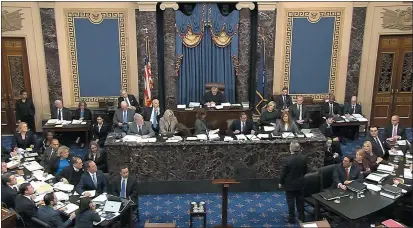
206	114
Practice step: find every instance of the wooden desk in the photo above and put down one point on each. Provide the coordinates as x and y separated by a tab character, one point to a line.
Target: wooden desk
70	128
8	218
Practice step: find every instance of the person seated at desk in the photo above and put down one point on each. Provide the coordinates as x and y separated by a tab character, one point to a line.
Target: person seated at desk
93	179
352	107
83	114
346	173
269	117
330	155
60	112
283	101
378	145
8	192
213	97
23	138
242	126
130	100
372	160
71	174
153	114
168	123
299	113
141	127
201	125
100	131
327	130
285	124
122	117
362	164
87	213
49	215
61	161
50	153
98	155
25	110
24	204
394	131
331	107
46	142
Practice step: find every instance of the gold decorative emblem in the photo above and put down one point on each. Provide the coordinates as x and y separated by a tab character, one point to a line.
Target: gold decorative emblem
314	17
11	21
397	19
95	18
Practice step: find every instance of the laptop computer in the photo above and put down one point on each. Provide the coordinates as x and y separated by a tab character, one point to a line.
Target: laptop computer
112	206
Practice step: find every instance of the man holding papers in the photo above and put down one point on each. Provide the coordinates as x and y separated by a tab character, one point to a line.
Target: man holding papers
242	126
93	179
51	216
346	173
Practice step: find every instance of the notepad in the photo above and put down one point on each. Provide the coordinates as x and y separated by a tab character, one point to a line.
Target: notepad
63	187
12	164
401	142
61	196
228	138
263	136
241	137
191	138
100	198
385	168
269	128
396	153
70	208
407	174
92	193
181	106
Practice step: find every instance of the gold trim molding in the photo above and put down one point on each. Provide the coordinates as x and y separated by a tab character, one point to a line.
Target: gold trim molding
95	17
400	19
245	5
267	6
167	5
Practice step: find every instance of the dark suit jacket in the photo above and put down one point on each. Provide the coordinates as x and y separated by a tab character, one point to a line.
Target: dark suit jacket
101	135
146	129
67	173
48	156
280	127
54	164
219	98
349	110
100	161
52	217
293	171
327	132
20	107
24	143
67	114
376	147
236	125
118	117
86	183
295	113
87	114
25	207
132	101
401	131
147	114
279	101
339	174
8	195
326	108
86	219
131	187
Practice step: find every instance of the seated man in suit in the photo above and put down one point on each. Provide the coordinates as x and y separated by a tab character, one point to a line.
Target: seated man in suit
379	147
352	107
24	204
299	113
213	97
283	101
141	127
92	179
153	114
60	112
50	153
49	215
242	126
8	192
73	173
394	131
122	118
346	173
331	107
330	155
327	130
130	100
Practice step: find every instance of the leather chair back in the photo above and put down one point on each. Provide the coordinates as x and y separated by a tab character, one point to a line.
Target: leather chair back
312	183
326	176
220	86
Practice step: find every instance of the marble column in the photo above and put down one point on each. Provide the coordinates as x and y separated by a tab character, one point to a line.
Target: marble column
171	79
54	84
244	51
355	51
146	29
267	14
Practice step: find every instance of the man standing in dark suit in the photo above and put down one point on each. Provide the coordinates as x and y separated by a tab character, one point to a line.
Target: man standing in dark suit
379	147
25	110
242	126
60	112
153	114
24	204
346	173
73	173
299	113
93	179
331	107
394	131
8	192
51	216
130	100
352	107
283	101
292	178
123	117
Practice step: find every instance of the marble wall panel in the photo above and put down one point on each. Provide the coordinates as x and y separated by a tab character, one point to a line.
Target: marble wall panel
171	79
244	50
51	52
355	51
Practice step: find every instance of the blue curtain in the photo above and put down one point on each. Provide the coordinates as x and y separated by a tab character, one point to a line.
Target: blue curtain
206	61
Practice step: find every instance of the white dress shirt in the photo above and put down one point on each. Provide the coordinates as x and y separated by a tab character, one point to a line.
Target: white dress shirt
394	130
127	101
300	109
99	127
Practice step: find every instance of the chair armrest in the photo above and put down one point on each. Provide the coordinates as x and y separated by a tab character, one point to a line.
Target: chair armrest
39	222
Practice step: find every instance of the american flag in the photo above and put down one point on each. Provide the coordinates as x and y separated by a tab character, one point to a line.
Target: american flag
148	77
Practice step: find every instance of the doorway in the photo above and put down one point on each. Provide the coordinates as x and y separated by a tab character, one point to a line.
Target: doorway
393	81
15	77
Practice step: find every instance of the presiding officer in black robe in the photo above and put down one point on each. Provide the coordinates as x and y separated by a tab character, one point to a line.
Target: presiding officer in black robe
214	96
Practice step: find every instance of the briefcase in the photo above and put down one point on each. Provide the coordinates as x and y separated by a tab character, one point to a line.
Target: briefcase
356	186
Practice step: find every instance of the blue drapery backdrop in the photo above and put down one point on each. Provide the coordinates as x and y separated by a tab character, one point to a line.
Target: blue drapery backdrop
207	51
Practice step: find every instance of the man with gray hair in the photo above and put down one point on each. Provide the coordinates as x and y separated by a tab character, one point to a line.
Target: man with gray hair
60	112
130	100
122	117
292	178
141	127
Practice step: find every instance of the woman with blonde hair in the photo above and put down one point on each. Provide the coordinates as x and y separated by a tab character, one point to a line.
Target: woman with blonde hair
372	159
269	117
23	138
61	161
362	163
168	123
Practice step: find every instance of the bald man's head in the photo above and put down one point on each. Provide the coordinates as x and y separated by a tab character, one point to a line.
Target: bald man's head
395	120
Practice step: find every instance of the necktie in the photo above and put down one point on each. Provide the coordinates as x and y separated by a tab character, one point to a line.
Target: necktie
124	117
242	126
15	189
347	174
354	109
123	189
331	109
299	111
394	131
139	130
81	114
99	127
59	114
155	124
283	99
94	180
378	142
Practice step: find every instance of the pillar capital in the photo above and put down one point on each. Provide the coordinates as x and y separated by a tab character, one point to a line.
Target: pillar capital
245	5
166	5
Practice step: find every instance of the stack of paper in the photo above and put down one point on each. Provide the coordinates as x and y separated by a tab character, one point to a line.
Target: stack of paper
226	104
194	104
241	137
41	187
309	135
228	138
219	107
263	136
39	175
373	187
66	122
269	128
39	198
130	138
63	187
377	177
101	198
213	136
27	155
52	121
288	135
252	137
396	153
213	131
407	174
76	121
70	208
92	193
385	168
181	106
61	196
401	142
360	117
192	138
20	180
32	166
236	105
12	163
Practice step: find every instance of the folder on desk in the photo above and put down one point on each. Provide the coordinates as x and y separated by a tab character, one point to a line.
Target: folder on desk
333	194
